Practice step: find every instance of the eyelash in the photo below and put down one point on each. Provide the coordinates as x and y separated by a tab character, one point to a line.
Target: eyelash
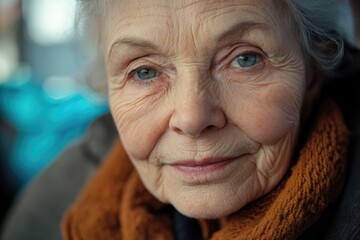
133	72
234	55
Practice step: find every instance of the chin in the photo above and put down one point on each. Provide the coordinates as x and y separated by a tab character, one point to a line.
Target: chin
209	214
208	210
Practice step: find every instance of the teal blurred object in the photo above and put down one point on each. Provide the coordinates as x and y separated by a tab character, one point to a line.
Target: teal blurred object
36	127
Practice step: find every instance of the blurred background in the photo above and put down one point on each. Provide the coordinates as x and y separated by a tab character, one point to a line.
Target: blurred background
45	104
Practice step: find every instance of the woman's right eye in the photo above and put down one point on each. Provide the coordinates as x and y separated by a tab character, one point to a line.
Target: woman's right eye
247	60
146	74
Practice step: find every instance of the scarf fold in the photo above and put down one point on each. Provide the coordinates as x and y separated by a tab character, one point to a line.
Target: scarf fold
116	205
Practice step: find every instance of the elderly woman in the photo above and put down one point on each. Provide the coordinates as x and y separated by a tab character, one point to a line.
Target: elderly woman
228	123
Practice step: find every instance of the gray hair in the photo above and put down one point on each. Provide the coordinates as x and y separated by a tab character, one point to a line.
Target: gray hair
321	38
317	22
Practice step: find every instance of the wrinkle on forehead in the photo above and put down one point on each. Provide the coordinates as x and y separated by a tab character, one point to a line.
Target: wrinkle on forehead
181	26
168	11
170	7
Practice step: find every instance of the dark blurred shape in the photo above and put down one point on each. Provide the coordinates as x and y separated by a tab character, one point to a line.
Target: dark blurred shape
355	5
9	55
40	124
44	104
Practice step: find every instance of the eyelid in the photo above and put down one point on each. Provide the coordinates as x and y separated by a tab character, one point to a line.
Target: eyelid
131	76
139	64
236	51
259	61
133	71
163	68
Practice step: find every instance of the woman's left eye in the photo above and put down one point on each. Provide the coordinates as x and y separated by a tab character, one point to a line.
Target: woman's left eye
146	73
247	60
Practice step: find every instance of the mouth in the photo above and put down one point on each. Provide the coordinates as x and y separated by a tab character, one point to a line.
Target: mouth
204	167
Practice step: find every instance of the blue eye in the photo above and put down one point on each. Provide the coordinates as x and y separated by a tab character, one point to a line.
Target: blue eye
146	73
247	60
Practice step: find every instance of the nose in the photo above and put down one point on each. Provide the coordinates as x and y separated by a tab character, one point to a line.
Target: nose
195	113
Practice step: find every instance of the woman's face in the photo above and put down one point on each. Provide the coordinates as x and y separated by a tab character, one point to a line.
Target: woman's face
206	96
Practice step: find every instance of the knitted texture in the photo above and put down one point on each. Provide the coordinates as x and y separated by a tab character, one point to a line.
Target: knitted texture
116	205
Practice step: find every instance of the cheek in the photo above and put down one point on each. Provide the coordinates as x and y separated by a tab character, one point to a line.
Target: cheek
139	125
267	113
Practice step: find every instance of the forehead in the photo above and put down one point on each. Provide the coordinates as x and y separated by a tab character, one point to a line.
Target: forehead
177	20
175	8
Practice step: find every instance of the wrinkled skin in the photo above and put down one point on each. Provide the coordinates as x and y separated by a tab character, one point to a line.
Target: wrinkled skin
198	102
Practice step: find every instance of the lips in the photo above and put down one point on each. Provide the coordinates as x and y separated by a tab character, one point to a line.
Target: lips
203	167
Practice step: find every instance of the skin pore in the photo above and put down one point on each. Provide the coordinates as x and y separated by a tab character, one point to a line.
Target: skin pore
217	83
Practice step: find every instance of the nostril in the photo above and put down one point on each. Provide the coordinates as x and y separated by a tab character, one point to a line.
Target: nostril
209	128
177	130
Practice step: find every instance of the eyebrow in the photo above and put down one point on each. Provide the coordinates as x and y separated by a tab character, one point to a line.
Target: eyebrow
133	42
238	29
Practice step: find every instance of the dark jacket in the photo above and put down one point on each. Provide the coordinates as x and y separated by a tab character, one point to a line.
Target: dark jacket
37	212
342	219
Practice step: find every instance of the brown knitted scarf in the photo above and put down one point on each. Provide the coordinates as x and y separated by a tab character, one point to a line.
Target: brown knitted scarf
115	204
